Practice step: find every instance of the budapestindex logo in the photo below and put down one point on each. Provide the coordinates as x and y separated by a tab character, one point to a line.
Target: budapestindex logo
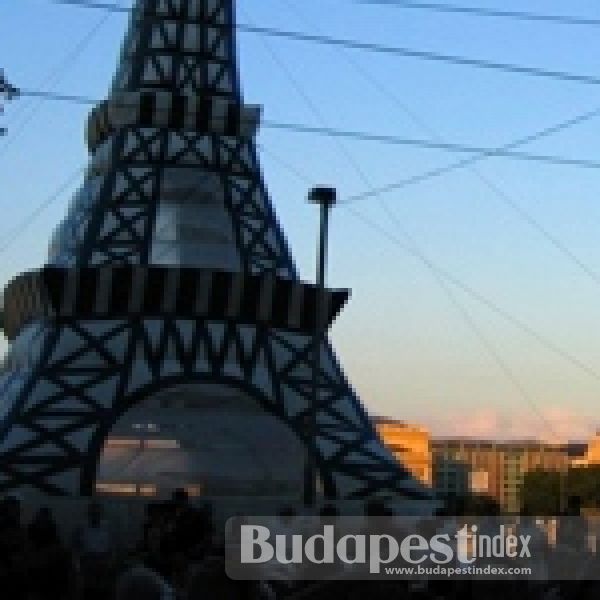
312	548
259	545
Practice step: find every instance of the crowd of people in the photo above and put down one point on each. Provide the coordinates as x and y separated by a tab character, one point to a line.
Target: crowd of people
178	558
168	562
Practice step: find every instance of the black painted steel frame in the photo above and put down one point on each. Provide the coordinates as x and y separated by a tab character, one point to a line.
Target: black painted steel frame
88	371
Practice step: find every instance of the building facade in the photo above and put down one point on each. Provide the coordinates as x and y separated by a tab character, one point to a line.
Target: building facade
467	467
411	445
586	455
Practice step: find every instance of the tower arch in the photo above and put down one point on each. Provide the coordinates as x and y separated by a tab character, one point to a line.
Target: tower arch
171	268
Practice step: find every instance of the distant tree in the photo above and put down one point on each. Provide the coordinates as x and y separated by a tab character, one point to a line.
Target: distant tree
481	505
584	482
470	505
540	492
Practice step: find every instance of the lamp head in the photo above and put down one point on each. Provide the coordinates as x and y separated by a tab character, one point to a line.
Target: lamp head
323	195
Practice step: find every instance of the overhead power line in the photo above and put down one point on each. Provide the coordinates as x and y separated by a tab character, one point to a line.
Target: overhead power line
502	152
481	299
73	98
390	139
479	334
467	162
427	55
431	145
445	285
54	76
18	230
479	153
110	6
478	11
451	279
496	189
421	54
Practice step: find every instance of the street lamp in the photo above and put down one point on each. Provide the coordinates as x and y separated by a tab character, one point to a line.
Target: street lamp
325	197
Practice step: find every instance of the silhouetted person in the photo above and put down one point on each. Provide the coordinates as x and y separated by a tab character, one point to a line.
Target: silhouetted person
209	582
95	551
49	562
155	532
192	527
140	583
377	508
328	511
42	531
13	583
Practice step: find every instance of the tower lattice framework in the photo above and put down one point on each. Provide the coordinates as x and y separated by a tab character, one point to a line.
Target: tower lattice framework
171	268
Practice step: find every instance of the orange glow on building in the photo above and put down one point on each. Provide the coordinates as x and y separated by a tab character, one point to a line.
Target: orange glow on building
410	444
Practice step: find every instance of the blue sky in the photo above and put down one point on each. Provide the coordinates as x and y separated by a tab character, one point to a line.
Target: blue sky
408	349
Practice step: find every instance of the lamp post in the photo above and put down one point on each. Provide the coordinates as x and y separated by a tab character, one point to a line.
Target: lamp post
325	198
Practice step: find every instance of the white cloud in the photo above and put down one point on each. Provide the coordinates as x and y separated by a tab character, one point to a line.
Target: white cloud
552	424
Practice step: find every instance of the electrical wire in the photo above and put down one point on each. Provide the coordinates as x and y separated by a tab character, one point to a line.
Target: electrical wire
496	190
466	162
27	221
361	136
450	279
373	47
53	77
472	325
478	11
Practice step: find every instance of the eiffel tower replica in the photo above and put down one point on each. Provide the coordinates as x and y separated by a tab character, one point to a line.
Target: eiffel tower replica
169	270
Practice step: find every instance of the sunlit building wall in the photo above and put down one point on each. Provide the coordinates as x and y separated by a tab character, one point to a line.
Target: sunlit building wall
463	467
410	444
